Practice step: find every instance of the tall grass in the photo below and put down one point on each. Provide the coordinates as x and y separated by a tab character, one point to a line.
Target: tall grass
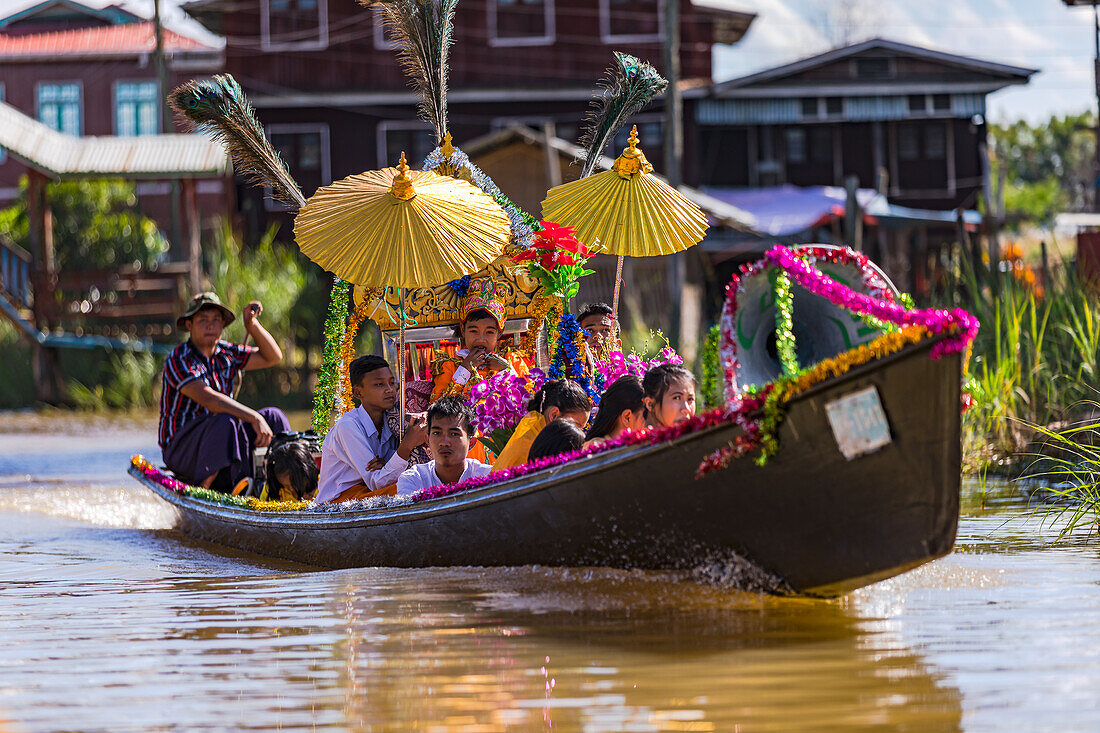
1035	361
1072	471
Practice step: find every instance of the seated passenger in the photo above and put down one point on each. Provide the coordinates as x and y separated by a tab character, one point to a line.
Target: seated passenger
560	436
450	430
561	398
361	456
621	410
292	474
206	436
599	328
669	395
479	336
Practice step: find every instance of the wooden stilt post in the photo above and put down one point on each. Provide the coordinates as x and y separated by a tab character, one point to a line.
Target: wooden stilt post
193	229
49	381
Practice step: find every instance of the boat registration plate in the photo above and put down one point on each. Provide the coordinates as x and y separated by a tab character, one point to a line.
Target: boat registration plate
859	422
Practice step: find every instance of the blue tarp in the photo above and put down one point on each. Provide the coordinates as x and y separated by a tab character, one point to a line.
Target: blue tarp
782	211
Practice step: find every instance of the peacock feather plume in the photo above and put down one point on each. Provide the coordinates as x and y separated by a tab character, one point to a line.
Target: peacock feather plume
424	31
628	85
218	106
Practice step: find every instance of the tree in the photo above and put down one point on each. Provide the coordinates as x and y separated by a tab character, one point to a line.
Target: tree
96	225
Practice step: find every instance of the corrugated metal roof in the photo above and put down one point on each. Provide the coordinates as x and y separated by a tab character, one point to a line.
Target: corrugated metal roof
132	38
148	156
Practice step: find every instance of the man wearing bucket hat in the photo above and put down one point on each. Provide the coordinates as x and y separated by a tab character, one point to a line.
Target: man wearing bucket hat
206	436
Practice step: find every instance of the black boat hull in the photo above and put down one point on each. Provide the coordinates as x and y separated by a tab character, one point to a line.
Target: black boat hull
824	524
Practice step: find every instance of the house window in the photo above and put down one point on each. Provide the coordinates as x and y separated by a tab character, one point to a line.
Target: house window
414	139
935	142
796	145
521	22
305	150
873	67
137	108
59	107
821	144
808	106
941	102
917	103
293	25
908	142
630	20
834	106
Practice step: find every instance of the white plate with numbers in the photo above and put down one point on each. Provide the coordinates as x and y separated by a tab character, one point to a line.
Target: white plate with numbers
859	422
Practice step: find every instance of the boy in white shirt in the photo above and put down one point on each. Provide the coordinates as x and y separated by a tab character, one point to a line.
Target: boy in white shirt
450	431
361	456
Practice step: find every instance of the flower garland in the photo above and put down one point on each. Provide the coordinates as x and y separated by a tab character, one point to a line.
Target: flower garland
784	322
347	354
461	286
328	377
524	225
617	364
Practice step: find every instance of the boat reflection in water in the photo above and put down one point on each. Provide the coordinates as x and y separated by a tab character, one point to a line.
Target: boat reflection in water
605	650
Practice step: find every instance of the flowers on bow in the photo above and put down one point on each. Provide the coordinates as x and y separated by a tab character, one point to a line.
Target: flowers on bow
556	259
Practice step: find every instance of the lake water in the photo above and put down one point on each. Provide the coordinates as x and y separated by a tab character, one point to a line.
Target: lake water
111	620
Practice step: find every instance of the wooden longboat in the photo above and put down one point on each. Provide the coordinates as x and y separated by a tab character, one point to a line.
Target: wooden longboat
824	524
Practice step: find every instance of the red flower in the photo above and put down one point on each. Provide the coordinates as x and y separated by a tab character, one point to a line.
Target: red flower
525	256
564	258
548	261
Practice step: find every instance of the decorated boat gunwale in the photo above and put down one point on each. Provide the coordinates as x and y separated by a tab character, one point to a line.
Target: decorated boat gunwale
870	521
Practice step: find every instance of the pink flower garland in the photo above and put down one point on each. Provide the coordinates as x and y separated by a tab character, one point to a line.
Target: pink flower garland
617	365
650	436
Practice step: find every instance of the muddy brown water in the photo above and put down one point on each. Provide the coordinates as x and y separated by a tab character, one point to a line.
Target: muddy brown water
111	620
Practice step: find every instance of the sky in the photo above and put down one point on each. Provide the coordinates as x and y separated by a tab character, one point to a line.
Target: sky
1040	34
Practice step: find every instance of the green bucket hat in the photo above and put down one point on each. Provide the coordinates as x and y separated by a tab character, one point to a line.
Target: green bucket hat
205	300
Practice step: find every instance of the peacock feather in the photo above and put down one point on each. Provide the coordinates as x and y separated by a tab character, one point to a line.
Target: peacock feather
424	31
218	106
628	85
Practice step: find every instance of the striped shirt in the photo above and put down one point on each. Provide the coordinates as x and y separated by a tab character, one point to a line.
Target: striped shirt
186	364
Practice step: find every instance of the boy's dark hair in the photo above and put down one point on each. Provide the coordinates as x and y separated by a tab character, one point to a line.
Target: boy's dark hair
564	394
452	407
593	309
560	436
363	365
625	393
659	379
479	315
295	460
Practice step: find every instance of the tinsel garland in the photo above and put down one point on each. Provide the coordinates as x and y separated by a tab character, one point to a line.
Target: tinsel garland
784	322
797	263
197	492
523	224
710	381
538	313
566	361
328	377
461	286
772	399
347	354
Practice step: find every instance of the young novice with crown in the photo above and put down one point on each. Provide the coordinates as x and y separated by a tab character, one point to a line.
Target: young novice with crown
479	336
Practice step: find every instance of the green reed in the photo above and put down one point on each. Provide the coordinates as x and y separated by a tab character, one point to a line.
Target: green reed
1069	466
1035	361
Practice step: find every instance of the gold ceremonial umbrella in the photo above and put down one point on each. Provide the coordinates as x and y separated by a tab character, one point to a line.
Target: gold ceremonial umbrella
630	211
401	228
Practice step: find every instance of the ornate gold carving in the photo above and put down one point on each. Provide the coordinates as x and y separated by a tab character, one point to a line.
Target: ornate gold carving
447	168
440	306
633	160
402	187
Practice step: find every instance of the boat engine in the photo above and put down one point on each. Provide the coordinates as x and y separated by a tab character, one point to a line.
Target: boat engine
821	329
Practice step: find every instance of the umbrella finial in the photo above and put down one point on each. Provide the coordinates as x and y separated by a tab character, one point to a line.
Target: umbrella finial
402	187
633	160
448	147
